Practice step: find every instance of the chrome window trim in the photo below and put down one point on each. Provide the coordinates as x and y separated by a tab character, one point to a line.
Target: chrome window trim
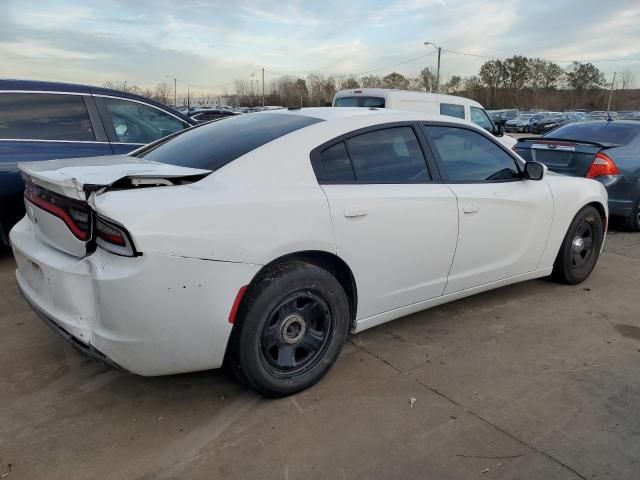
45	91
55	141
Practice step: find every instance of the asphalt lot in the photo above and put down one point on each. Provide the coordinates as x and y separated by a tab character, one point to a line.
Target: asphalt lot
531	381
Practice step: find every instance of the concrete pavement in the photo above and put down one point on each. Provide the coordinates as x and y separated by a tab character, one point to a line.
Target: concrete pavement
531	381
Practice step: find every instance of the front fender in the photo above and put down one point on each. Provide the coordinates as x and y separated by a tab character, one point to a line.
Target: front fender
570	195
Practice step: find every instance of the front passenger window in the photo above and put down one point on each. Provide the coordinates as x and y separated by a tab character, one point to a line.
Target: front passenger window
468	156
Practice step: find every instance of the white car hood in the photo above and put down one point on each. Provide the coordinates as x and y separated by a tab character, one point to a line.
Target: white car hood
70	176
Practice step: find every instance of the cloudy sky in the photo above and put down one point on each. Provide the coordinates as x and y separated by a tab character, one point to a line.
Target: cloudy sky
209	43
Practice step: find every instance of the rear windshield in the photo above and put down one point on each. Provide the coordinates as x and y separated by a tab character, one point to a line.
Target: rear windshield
359	101
605	132
215	144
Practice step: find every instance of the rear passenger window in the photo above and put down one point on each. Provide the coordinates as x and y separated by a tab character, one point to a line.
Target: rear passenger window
44	116
452	110
335	164
467	156
392	155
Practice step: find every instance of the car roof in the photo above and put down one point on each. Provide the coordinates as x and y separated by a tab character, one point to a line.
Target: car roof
364	91
42	86
382	114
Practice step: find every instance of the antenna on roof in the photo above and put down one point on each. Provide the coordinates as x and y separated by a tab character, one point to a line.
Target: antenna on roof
613	82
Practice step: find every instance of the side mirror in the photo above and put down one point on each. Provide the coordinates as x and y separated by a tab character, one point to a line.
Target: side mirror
533	171
498	131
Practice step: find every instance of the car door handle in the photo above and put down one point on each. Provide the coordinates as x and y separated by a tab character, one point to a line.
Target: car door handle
355	212
471	208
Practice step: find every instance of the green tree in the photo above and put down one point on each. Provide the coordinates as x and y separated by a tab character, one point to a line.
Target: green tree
395	80
584	76
349	83
427	79
454	84
516	74
493	74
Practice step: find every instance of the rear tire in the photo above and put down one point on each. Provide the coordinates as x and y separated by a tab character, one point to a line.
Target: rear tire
292	324
580	248
632	222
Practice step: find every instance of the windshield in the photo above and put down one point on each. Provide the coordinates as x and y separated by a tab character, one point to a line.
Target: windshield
606	132
215	144
359	101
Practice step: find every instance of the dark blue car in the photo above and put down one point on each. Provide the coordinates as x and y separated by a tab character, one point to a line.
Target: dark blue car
46	120
607	151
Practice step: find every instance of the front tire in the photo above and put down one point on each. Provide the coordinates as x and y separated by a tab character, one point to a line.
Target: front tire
293	323
580	248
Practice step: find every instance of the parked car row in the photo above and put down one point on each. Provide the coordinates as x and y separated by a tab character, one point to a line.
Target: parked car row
207	114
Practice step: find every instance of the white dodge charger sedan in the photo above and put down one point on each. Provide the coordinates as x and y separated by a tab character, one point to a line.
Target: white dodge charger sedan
262	240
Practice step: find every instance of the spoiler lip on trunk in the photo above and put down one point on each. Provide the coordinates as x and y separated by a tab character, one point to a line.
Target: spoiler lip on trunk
77	178
569	140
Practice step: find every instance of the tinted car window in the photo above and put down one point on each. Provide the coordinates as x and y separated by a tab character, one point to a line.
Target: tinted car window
44	116
359	101
467	156
480	118
606	132
452	110
135	122
389	155
335	165
215	144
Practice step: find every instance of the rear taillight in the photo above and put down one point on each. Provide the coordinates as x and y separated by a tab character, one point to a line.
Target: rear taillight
114	238
75	215
602	165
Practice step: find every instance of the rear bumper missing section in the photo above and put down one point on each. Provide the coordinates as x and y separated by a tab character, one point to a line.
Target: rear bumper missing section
78	344
150	315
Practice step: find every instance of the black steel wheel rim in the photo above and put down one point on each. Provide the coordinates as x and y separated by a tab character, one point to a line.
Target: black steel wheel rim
297	333
583	244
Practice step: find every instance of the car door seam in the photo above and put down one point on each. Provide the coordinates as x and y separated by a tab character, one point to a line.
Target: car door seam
446	284
551	225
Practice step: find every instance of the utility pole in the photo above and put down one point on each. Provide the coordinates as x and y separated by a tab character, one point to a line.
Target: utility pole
263	86
438	69
188	98
175	92
611	92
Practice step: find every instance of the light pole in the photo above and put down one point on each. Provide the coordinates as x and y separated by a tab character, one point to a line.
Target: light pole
438	69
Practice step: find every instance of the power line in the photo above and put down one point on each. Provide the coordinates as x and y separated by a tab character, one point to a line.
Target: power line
552	60
396	64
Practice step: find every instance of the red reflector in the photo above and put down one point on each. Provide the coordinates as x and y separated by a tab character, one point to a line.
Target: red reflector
236	304
602	165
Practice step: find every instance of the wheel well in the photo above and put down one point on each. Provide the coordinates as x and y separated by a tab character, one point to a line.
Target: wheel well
600	208
330	262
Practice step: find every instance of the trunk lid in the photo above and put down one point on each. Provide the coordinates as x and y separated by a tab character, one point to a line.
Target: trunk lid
568	157
58	193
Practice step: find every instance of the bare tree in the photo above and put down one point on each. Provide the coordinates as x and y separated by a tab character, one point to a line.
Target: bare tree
349	83
162	93
427	79
371	81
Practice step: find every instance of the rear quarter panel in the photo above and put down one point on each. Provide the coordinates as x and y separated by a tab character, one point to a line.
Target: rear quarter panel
257	208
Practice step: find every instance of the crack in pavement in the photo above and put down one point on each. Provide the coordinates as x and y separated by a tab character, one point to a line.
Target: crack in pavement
473	414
